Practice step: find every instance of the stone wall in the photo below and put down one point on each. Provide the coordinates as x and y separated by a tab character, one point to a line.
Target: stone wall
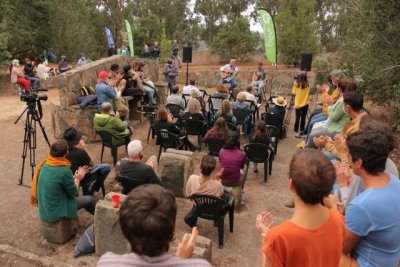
65	112
281	80
70	82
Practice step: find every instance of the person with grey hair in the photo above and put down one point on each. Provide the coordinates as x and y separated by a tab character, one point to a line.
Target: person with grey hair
82	60
133	168
17	75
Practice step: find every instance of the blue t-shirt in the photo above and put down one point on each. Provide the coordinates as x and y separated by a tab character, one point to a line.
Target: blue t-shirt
374	215
104	93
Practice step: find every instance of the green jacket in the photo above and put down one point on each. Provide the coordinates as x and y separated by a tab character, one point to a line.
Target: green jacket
337	117
111	124
56	193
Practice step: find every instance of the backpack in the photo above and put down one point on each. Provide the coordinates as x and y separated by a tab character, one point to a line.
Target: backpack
87	90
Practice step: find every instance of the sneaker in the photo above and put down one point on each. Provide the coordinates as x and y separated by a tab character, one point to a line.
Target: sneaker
297	135
301	145
289	204
243	199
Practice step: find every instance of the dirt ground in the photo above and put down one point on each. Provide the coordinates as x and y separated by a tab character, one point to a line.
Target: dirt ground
21	241
21	227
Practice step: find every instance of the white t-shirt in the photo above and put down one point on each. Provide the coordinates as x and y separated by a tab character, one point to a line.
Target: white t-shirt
189	88
250	97
42	71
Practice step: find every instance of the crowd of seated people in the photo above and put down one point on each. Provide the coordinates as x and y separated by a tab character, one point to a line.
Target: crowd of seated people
342	194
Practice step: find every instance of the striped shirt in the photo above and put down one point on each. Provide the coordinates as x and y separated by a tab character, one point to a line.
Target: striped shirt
110	259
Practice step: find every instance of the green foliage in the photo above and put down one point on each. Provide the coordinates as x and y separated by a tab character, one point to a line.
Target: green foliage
235	40
296	28
165	48
148	30
75	33
372	51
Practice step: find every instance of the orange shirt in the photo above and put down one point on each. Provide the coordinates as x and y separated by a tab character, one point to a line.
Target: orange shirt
290	245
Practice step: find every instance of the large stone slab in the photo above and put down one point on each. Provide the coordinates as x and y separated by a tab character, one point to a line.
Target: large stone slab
108	234
61	231
73	116
174	170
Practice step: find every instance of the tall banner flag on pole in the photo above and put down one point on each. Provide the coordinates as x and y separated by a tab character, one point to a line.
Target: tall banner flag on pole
109	36
269	35
130	38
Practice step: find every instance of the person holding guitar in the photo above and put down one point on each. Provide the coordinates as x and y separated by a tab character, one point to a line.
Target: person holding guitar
259	79
228	74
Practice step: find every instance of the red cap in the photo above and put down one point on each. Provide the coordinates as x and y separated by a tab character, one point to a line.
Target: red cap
103	74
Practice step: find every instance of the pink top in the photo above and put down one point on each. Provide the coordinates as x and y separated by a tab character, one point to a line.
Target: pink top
210	187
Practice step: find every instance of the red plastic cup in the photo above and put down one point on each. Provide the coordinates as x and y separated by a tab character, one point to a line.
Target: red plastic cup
115	200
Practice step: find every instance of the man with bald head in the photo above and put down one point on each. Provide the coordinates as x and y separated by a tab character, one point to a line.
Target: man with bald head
228	74
109	121
133	167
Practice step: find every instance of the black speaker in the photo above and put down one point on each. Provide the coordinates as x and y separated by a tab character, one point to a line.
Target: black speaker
306	60
187	54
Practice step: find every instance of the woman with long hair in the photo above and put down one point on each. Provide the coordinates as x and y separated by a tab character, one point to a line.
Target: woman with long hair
220	130
226	112
259	136
193	110
301	93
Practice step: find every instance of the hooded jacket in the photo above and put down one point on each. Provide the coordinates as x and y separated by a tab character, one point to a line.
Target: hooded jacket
111	124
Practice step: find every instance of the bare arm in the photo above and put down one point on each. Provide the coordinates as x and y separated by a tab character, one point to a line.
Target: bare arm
350	241
266	262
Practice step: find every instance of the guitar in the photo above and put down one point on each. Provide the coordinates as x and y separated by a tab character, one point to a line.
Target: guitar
225	74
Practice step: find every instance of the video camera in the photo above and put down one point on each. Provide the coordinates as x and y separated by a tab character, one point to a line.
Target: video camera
32	97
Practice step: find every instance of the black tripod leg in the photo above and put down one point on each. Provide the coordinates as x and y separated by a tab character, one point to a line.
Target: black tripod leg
43	132
32	145
26	142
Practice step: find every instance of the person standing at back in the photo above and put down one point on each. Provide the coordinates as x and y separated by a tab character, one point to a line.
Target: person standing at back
175	53
301	93
170	72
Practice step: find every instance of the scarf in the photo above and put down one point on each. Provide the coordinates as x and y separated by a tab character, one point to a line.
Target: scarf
51	161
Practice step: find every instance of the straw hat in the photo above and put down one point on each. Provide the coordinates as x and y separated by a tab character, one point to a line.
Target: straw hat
279	101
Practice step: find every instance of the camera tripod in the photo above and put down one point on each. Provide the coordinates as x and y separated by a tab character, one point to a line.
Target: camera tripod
33	115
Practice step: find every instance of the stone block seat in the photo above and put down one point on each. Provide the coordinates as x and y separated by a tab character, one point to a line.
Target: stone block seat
61	231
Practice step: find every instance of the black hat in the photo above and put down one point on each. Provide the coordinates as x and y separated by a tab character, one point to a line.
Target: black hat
114	67
72	136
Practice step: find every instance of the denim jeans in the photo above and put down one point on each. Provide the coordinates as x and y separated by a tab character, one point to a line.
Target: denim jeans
86	202
315	119
150	94
105	169
232	82
35	81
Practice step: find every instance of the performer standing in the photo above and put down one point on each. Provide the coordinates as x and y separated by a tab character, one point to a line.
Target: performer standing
175	53
228	74
170	72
